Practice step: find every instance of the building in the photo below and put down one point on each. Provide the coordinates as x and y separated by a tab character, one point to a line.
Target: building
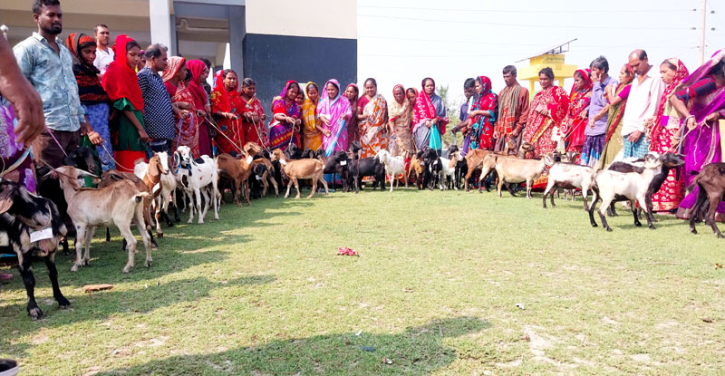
271	41
553	58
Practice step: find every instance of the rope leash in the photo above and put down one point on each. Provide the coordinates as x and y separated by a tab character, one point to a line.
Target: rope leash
216	127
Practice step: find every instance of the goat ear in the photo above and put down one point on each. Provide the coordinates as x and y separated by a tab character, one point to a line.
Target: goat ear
6	200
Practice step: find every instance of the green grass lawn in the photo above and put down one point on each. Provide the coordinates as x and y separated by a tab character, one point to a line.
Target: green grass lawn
435	290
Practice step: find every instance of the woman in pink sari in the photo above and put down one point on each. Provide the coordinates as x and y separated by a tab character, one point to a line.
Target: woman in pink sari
666	124
700	103
333	112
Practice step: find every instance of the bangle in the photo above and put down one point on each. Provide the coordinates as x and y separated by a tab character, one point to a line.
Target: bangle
688	118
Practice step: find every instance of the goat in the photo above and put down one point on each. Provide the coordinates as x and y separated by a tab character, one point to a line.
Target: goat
239	171
337	163
474	160
568	176
166	190
517	170
433	167
268	176
194	176
256	180
394	166
118	204
612	185
361	168
448	173
151	174
31	226
301	169
416	167
710	183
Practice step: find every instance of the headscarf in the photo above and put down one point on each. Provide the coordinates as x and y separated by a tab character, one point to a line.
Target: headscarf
681	74
76	42
120	81
587	83
280	105
221	99
396	109
175	63
196	67
353	103
699	74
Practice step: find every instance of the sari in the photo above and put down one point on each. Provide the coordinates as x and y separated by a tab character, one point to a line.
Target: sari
121	85
333	110
373	134
353	132
230	136
701	146
539	128
399	114
614	142
666	125
429	108
200	101
17	165
574	126
481	135
254	131
187	129
282	134
312	138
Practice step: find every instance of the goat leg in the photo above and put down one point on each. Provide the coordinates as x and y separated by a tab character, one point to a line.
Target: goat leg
108	235
29	281
634	213
79	249
714	201
87	244
595	198
53	275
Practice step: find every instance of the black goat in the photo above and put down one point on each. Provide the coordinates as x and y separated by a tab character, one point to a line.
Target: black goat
338	163
360	168
432	164
31	226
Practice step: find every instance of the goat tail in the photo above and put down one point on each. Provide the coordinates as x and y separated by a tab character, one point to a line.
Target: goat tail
140	196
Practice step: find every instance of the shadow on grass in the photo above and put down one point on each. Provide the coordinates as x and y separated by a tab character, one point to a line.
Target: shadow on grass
417	351
99	306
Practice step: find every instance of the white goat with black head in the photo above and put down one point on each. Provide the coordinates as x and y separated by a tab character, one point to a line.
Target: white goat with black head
195	176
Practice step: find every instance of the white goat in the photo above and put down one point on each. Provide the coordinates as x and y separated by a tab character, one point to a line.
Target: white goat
194	178
569	176
394	166
118	204
516	170
448	169
609	185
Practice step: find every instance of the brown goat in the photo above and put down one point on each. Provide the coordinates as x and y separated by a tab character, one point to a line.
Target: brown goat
239	171
306	168
474	160
710	183
415	167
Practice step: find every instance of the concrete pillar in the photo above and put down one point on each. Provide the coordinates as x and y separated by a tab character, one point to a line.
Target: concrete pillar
237	31
162	25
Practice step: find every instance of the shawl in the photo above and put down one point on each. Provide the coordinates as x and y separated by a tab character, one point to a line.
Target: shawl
196	67
398	110
120	81
309	111
426	110
680	75
508	103
221	99
334	108
175	63
578	103
700	73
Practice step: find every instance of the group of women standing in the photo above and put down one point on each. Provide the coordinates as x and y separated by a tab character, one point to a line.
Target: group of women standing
685	123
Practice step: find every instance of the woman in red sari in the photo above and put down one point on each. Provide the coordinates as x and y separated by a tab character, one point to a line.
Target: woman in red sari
665	126
198	70
576	122
285	126
175	78
253	115
226	105
548	110
482	115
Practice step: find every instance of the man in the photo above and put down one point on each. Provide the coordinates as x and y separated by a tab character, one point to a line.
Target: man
597	128
513	108
642	104
469	88
158	114
104	53
48	65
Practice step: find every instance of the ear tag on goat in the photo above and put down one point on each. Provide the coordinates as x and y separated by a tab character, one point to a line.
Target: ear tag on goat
343	163
257	176
43	234
4	239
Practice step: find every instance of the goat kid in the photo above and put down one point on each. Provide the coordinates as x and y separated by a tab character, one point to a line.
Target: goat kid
394	166
568	176
31	226
194	176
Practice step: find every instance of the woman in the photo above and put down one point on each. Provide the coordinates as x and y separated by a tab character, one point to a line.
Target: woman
198	70
399	123
333	112
429	117
176	77
666	125
482	115
353	132
253	115
93	98
121	85
617	97
701	103
284	128
576	123
548	110
226	105
312	138
372	120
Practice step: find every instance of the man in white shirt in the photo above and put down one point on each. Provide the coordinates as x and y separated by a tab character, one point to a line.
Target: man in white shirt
642	104
104	53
